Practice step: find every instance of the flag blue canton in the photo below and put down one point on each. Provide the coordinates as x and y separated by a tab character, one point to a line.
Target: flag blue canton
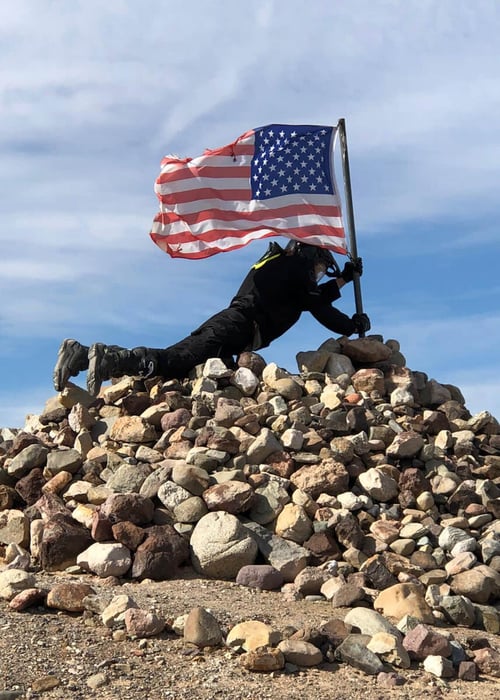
292	160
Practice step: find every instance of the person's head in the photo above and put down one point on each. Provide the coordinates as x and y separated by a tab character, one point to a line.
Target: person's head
321	258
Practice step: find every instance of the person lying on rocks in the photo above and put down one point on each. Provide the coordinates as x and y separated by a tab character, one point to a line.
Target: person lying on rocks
277	289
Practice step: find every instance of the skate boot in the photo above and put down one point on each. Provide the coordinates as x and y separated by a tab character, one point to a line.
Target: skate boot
71	359
107	361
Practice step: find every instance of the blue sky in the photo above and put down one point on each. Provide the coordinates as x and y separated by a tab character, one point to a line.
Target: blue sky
94	94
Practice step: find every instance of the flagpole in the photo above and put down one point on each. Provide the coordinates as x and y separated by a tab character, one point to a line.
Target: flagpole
353	249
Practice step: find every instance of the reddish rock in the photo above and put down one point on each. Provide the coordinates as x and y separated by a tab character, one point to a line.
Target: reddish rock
262	576
467	671
142	623
488	661
323	547
422	641
160	555
231	496
27	598
29	487
328	477
69	596
175	419
128	506
101	528
128	534
63	539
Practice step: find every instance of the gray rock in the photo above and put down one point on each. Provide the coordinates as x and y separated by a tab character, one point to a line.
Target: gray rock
221	546
353	651
287	557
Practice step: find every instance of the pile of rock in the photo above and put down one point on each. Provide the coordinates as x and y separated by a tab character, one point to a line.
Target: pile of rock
356	480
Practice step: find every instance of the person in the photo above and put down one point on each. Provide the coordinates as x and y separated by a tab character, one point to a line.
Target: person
273	295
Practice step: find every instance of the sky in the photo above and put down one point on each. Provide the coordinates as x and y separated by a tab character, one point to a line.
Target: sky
94	94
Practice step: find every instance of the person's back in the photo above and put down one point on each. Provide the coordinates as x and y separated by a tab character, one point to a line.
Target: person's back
278	290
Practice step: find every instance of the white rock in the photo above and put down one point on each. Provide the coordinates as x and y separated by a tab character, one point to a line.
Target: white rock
114	614
439	666
378	485
245	380
13	581
105	559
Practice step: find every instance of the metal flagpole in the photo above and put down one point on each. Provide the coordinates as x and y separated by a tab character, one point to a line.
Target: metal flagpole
350	215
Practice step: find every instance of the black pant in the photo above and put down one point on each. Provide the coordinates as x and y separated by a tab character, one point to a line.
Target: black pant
227	333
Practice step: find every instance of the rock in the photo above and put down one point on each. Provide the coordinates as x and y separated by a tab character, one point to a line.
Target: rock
458	610
62	541
300	653
369	622
105	559
476	585
262	576
221	545
488	661
405	444
390	680
128	506
263	660
142	623
353	651
63	460
14	528
27	598
293	524
232	496
366	350
251	635
438	666
310	580
201	628
347	595
287	557
390	648
29	458
13	581
113	614
404	599
422	641
369	380
467	671
128	478
378	485
328	477
263	446
132	429
161	554
69	596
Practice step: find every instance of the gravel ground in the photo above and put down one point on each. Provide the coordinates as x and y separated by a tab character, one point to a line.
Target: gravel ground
50	654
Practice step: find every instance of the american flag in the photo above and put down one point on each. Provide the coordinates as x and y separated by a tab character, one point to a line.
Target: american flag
277	180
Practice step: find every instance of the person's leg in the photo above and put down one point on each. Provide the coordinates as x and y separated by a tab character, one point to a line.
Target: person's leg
107	361
72	358
227	333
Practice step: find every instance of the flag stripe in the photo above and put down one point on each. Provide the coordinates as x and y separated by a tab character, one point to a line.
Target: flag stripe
232	195
191	215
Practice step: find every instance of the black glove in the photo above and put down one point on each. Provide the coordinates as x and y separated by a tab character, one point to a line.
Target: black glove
362	323
350	268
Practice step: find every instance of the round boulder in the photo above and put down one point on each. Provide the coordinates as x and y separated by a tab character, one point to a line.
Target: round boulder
221	546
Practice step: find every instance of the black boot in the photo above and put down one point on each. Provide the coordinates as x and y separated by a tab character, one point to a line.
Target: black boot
107	361
71	359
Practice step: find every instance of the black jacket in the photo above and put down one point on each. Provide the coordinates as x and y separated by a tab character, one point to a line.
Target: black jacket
276	292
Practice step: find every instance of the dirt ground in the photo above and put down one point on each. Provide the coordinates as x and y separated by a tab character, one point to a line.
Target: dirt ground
41	648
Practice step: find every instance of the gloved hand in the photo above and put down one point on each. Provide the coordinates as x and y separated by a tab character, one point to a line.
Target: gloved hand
362	323
350	268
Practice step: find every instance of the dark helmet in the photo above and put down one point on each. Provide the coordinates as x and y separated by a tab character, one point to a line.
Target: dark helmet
315	255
